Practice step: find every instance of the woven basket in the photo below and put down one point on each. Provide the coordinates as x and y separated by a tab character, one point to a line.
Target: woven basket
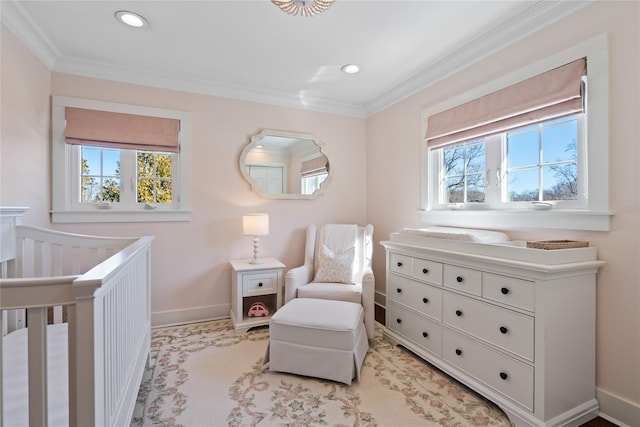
557	244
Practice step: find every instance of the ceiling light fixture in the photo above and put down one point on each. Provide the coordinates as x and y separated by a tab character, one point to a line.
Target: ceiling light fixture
350	69
131	19
303	7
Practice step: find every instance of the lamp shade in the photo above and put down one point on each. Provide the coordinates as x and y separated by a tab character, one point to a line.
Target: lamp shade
255	224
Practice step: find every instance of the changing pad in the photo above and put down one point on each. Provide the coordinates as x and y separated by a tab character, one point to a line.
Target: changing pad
462	234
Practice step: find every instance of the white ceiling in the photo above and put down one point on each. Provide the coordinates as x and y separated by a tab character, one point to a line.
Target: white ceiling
251	50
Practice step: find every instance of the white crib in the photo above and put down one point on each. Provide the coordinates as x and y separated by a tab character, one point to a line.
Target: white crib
103	283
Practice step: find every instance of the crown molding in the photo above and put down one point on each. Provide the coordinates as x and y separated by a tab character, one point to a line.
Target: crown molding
540	14
15	18
82	67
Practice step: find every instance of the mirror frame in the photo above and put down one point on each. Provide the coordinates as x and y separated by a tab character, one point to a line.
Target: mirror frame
255	140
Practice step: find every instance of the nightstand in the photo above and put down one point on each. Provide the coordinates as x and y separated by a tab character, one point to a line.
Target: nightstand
251	284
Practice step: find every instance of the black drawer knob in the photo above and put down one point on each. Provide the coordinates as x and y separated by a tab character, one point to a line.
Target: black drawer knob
260	284
459	279
425	334
425	271
504	291
399	264
458	313
504	375
425	300
503	329
398	321
399	290
458	352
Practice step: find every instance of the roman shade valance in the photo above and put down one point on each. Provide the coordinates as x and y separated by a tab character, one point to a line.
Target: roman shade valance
314	166
119	130
553	94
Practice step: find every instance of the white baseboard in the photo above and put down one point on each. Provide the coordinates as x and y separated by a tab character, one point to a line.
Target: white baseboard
189	315
618	410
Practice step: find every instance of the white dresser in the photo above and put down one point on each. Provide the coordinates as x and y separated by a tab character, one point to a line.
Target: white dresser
515	324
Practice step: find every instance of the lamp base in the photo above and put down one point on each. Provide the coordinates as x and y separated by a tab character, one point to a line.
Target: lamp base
256	247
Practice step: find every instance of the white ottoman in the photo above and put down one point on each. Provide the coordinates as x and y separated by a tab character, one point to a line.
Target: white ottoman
318	338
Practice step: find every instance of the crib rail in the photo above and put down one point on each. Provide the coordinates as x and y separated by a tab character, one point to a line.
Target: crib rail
105	285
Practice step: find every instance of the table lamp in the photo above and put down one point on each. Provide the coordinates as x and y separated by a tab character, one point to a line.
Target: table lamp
255	224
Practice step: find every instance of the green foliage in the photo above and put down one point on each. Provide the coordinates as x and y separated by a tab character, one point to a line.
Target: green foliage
154	181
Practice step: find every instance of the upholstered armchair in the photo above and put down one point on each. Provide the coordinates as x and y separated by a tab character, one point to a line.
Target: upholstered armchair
329	251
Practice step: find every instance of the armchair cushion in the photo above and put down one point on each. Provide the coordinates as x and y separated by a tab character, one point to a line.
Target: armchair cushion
332	291
335	267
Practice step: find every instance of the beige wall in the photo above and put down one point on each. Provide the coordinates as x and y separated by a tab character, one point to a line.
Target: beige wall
190	259
393	162
376	163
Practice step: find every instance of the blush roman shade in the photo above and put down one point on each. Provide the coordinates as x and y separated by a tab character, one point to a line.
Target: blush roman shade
314	166
553	94
119	130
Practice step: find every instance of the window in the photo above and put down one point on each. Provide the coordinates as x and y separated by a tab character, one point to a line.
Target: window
549	170
540	165
98	180
311	183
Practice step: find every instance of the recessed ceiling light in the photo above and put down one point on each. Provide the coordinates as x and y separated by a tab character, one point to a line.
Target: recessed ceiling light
350	69
131	19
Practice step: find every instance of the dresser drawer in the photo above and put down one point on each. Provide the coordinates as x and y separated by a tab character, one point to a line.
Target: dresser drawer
463	279
419	296
508	290
424	332
427	271
508	376
259	284
400	264
504	328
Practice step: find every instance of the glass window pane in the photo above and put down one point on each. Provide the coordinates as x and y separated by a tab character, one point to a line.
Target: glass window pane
110	162
455	190
523	149
559	142
475	158
146	164
476	188
560	182
90	161
523	185
164	191
111	190
163	164
453	160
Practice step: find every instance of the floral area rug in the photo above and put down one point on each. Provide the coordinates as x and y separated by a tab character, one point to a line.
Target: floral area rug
206	374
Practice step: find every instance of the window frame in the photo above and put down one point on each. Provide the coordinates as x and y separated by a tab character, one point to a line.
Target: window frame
594	214
65	209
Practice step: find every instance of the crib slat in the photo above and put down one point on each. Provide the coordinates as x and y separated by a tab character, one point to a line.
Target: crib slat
72	353
38	253
37	347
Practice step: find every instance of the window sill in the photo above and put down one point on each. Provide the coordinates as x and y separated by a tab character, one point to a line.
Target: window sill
119	216
519	219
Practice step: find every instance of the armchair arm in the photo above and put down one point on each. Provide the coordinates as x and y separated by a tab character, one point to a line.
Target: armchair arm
296	278
368	301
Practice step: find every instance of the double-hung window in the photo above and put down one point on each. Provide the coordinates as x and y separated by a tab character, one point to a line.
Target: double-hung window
118	163
523	155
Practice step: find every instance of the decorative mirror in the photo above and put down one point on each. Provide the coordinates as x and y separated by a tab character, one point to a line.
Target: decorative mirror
285	165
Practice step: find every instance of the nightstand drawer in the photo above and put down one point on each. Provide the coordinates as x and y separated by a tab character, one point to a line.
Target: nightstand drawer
259	284
419	296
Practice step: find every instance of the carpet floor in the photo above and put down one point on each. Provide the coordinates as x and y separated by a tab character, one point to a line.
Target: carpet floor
205	374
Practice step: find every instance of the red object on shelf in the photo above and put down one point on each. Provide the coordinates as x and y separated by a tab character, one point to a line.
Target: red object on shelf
258	309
